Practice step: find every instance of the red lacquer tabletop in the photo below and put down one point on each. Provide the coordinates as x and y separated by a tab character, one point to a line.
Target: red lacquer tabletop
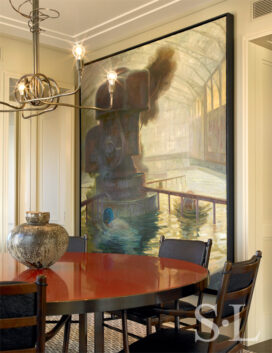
81	277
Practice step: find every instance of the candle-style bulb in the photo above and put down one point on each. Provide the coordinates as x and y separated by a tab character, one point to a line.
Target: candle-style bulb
79	51
111	77
21	89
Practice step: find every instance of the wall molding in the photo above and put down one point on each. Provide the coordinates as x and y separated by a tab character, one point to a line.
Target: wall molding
126	20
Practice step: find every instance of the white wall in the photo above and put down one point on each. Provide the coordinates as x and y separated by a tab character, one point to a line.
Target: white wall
56	165
16	58
260	188
245	29
44	146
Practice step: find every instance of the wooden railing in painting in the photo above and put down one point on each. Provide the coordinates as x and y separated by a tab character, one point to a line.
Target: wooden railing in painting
183	195
95	205
92	201
161	181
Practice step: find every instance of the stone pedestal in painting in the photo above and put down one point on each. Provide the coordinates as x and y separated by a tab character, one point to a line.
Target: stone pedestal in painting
126	197
111	145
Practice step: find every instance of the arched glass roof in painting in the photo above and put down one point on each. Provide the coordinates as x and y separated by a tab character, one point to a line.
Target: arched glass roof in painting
198	52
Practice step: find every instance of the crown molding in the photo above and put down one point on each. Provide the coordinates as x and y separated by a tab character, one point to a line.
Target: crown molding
153	12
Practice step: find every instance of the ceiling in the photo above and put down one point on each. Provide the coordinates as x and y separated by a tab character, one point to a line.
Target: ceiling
97	23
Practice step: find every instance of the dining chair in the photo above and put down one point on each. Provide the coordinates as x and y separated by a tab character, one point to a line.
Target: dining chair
232	304
22	316
195	251
76	244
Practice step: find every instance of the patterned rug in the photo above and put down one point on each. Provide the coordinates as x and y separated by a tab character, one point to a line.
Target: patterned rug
113	339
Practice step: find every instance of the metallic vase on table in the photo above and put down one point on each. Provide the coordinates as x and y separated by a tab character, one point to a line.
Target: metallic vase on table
37	243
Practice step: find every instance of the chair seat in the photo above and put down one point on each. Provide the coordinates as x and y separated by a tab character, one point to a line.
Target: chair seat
183	305
148	311
186	306
170	341
141	314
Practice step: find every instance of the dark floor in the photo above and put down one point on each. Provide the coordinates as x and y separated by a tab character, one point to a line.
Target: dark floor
263	347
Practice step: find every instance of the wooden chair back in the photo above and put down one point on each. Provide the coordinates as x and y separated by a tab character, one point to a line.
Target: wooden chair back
195	251
22	316
77	244
237	288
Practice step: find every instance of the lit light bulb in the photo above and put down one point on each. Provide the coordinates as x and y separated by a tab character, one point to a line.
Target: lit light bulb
21	89
79	51
111	77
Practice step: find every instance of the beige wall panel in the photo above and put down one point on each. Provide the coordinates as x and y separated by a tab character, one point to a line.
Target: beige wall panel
16	60
260	187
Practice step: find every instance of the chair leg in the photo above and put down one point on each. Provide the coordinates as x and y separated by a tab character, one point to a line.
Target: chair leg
125	331
66	337
198	326
158	325
148	326
177	322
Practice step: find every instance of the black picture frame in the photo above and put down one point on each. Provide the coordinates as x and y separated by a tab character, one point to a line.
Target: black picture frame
229	120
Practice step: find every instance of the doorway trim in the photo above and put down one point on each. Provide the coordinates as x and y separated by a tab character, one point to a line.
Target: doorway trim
252	329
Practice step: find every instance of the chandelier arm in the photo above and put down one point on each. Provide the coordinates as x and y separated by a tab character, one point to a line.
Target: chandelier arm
55	13
55	104
37	114
82	106
43	16
30	89
27	110
79	65
11	106
65	94
22	109
21	13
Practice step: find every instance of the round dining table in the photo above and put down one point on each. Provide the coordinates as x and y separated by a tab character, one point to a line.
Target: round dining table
80	283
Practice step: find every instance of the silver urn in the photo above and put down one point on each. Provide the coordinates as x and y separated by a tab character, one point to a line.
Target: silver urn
37	243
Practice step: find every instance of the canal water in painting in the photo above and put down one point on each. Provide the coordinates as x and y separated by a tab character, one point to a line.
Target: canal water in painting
141	234
155	164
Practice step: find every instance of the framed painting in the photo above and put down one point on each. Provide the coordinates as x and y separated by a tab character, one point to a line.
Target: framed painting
160	160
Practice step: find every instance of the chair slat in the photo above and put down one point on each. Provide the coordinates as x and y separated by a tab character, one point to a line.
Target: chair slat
173	312
28	350
16	289
18	322
238	294
231	318
250	267
38	302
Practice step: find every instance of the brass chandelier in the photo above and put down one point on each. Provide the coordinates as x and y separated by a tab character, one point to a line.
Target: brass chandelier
35	93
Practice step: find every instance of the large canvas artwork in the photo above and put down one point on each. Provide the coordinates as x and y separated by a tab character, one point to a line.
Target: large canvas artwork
160	162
